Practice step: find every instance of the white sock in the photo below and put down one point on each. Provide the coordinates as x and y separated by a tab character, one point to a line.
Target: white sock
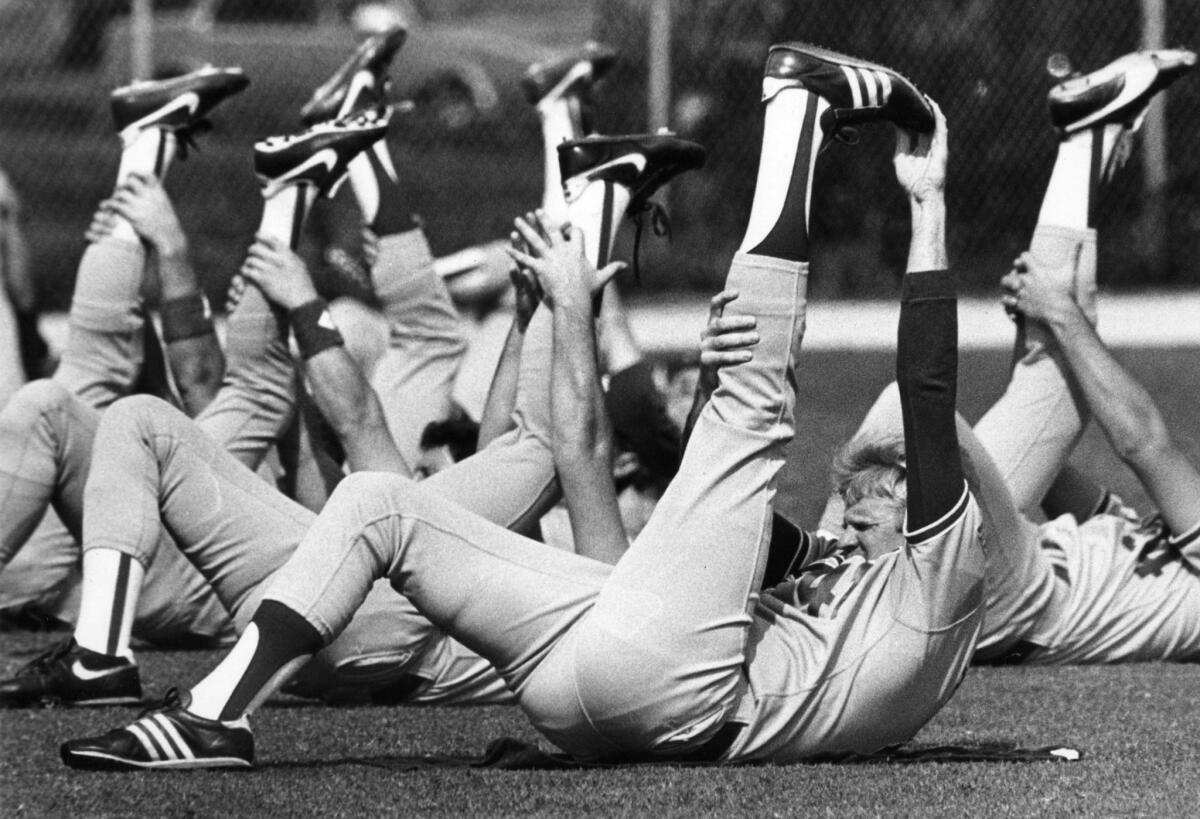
144	151
211	694
558	126
1068	192
784	118
112	582
284	212
597	210
365	184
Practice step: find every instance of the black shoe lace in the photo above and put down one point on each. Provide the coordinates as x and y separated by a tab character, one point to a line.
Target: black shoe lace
47	659
186	136
660	224
845	134
1121	151
174	698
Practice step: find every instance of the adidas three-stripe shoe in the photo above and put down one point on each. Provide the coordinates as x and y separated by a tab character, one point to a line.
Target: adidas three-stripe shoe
642	163
321	155
69	674
857	90
359	82
1119	92
167	736
178	104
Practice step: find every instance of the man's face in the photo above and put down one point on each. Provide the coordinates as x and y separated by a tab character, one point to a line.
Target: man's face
874	526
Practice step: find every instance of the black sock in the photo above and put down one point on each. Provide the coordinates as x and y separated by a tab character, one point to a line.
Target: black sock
283	635
788	238
394	215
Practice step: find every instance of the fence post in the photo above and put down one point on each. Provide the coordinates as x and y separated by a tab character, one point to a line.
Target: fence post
658	95
1156	169
141	46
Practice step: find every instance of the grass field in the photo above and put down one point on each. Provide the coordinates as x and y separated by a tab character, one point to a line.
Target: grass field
1137	725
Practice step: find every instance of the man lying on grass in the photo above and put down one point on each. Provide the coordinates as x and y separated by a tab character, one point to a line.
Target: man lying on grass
672	653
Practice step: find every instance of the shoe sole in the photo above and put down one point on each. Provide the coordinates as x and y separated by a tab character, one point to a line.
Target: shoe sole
97	761
55	702
837	58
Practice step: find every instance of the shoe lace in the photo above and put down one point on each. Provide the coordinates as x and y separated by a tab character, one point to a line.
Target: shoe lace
186	136
1121	151
47	659
174	698
845	134
660	224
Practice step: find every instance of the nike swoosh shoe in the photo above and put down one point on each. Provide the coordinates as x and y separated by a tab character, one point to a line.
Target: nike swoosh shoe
573	74
359	82
857	91
178	104
1118	93
166	736
69	674
643	163
320	155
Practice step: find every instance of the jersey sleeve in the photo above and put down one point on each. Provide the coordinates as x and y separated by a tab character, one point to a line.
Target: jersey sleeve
927	375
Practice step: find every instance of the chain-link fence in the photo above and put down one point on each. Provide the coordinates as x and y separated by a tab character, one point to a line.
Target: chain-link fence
471	150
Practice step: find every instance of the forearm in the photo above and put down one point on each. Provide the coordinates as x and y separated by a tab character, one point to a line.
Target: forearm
197	366
502	394
1121	406
342	395
1131	421
193	352
927	248
582	437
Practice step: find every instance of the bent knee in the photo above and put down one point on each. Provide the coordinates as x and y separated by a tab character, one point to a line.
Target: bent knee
139	411
39	397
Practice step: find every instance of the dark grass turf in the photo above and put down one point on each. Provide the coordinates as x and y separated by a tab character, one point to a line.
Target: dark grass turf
1138	725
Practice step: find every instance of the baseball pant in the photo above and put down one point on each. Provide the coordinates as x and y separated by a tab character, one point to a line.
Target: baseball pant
641	658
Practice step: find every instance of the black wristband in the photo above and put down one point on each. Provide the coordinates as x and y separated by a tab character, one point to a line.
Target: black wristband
186	317
314	328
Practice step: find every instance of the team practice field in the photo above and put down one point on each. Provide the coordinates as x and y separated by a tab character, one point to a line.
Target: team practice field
1135	724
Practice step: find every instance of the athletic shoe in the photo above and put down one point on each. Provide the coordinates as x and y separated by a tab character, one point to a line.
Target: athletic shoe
69	674
857	90
167	736
319	156
359	82
570	75
1118	93
178	104
642	163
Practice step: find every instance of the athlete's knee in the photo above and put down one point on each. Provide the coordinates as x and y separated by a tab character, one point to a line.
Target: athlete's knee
371	486
144	413
41	397
39	407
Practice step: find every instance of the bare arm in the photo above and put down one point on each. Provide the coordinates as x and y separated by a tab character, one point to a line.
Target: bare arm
502	394
339	389
582	437
1121	406
193	352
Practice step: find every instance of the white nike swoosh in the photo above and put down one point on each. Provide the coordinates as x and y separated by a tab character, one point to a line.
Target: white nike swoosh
326	156
1136	83
84	673
190	101
574	187
358	83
